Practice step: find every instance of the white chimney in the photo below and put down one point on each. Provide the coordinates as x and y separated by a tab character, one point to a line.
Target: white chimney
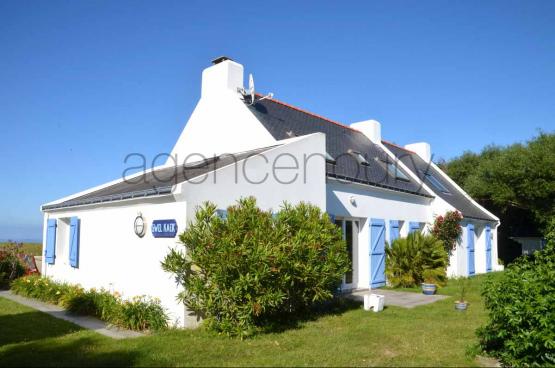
224	76
372	129
422	149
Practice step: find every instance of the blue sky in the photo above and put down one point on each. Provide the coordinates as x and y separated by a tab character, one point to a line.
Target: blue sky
83	83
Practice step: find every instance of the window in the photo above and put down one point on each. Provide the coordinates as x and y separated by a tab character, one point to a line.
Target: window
435	182
349	230
349	241
62	240
359	157
394	171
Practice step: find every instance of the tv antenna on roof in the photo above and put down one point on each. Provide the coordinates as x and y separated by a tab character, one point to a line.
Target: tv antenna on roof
251	92
251	88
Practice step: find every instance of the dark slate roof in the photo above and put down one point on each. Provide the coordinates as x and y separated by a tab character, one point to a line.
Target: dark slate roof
157	182
284	121
455	197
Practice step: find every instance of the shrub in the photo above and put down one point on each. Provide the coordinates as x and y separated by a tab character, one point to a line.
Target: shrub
521	311
415	259
143	313
10	264
447	228
99	303
140	313
41	288
550	231
245	271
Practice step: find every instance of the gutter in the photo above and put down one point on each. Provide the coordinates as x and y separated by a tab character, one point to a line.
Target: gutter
109	198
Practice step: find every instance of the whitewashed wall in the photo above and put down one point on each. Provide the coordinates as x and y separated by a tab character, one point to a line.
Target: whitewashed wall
113	257
221	122
236	181
374	203
459	261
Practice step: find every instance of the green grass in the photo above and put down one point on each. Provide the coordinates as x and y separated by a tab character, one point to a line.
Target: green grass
431	335
34	249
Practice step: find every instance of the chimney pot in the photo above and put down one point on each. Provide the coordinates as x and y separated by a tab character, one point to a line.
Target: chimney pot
219	59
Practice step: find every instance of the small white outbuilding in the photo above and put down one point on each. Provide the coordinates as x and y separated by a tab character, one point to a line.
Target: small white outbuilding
237	144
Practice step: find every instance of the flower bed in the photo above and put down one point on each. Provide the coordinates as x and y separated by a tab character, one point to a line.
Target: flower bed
140	313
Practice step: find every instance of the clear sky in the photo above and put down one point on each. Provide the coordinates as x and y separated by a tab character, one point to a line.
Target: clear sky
83	83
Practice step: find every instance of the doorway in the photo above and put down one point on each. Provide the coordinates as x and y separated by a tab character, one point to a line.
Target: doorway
350	229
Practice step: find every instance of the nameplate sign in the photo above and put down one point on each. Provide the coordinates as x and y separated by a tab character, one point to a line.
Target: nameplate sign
164	228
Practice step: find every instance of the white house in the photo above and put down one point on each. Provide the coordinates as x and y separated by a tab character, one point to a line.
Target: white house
236	144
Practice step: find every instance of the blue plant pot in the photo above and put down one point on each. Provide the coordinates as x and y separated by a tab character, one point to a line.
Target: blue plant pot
461	306
429	289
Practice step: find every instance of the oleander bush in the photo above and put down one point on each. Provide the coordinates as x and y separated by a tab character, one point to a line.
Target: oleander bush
244	272
520	330
139	313
415	259
448	229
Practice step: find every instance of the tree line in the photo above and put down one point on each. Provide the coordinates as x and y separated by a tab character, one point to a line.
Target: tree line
515	182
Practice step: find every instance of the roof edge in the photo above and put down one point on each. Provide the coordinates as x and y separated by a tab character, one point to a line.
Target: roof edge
309	113
396	145
110	198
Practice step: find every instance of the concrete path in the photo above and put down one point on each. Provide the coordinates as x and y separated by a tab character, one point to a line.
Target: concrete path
90	323
403	299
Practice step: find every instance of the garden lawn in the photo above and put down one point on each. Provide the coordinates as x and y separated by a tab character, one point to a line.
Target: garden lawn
433	334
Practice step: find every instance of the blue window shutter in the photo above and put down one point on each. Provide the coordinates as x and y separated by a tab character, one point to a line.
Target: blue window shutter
222	214
377	252
414	226
393	230
470	246
50	251
488	249
74	242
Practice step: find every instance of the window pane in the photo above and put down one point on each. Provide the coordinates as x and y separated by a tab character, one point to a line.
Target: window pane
436	183
349	241
396	172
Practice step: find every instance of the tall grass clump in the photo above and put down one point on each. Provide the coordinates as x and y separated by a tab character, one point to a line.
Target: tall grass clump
140	313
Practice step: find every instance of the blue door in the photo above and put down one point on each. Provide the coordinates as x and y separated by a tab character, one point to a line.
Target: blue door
377	253
488	248
470	240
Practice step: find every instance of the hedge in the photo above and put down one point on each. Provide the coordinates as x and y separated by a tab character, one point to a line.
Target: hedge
521	303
